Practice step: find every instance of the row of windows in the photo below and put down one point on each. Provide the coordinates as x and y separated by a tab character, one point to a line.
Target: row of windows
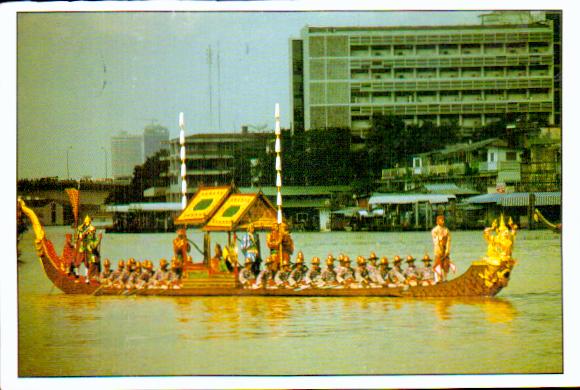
438	62
437	85
483	107
434	38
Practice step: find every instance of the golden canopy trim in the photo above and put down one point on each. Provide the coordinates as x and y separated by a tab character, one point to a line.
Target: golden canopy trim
203	206
239	210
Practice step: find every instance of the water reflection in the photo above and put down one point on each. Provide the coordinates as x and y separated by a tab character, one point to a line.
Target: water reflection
495	310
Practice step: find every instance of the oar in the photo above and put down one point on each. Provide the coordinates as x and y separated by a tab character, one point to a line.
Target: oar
98	289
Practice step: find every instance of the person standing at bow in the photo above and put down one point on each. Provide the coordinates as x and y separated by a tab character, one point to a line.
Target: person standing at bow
442	248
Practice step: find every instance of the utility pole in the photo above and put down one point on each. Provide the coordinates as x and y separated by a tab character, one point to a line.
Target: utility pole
67	170
106	163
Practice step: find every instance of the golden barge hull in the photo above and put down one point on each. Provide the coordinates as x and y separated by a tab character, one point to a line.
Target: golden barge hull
480	279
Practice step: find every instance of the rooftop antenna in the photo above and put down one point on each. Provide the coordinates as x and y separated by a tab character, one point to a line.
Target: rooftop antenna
210	92
219	89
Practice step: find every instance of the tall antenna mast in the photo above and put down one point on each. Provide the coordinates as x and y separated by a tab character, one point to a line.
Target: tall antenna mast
209	63
182	155
219	89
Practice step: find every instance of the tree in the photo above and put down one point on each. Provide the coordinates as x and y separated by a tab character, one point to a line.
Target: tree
391	142
327	157
386	140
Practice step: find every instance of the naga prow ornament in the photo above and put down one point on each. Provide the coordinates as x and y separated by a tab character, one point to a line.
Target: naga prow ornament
500	242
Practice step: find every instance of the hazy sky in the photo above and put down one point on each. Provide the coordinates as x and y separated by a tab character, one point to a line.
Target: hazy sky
83	77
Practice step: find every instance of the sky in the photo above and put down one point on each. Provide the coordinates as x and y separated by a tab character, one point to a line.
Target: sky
84	77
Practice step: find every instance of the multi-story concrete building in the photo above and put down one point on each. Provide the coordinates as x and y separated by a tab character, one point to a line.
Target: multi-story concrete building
126	153
214	160
472	74
155	138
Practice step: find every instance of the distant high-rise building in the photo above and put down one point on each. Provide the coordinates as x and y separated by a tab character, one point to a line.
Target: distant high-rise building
155	138
471	75
126	153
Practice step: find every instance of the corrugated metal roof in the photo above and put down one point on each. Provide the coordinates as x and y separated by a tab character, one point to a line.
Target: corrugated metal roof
409	198
153	206
519	199
548	198
484	198
522	199
297	190
448	188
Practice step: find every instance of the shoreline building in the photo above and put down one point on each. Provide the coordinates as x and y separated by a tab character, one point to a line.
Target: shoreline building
215	159
126	153
471	75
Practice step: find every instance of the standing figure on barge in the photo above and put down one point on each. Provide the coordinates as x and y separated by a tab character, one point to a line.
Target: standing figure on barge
442	248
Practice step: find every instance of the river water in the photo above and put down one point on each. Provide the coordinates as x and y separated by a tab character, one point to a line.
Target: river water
519	331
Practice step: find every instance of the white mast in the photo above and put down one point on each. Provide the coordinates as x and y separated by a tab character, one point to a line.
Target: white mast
278	150
182	155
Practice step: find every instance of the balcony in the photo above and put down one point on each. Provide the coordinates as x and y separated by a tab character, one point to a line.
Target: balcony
406	108
428	170
442	61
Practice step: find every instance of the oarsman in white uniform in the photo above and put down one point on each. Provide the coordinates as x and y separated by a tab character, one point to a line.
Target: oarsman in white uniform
299	261
127	272
346	275
134	276
246	277
362	275
266	277
396	277
341	263
297	275
118	272
174	278
328	275
426	273
383	271
283	275
106	273
314	276
146	275
161	276
372	268
411	275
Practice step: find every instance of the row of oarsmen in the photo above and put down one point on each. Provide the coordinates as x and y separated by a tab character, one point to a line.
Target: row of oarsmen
367	273
140	275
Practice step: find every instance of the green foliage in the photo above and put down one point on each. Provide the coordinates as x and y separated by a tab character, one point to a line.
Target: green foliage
327	157
391	143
